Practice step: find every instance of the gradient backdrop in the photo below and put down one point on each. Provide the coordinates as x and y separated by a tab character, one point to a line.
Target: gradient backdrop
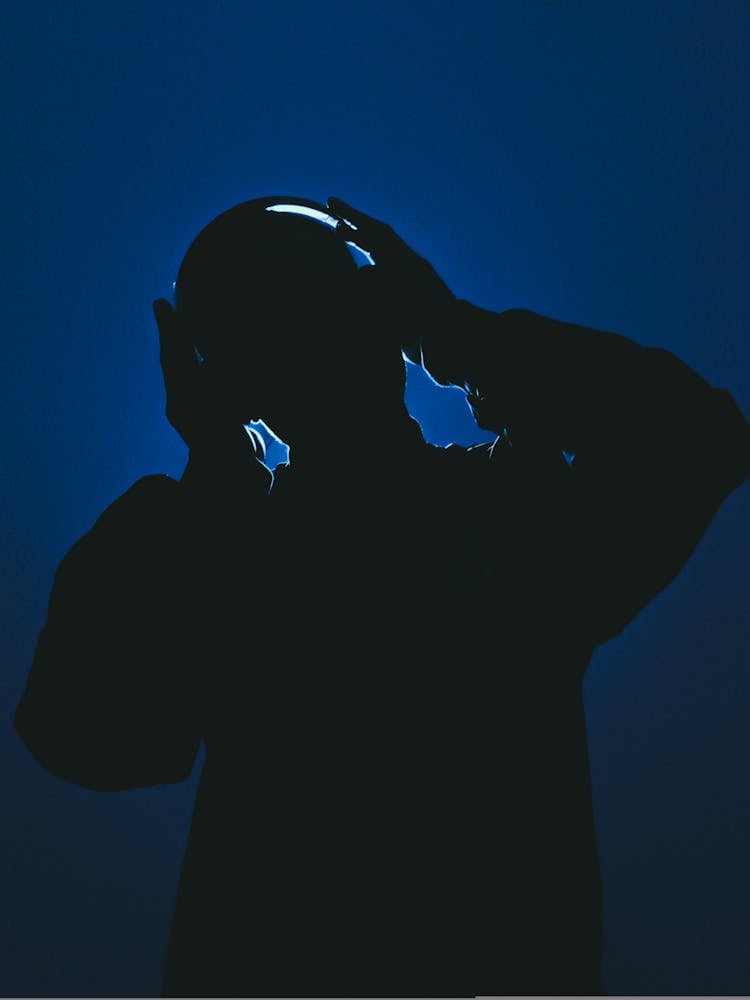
586	160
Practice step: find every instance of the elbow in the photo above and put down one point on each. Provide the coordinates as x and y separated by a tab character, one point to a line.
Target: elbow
99	759
60	755
50	752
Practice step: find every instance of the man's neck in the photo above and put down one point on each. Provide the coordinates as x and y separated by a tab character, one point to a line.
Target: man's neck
354	443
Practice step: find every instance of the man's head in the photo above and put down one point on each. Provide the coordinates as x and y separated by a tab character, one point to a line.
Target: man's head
273	300
251	267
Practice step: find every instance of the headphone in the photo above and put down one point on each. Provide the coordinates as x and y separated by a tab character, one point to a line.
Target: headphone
317	212
263	439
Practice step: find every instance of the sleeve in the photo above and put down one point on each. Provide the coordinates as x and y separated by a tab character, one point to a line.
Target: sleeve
109	702
644	498
655	450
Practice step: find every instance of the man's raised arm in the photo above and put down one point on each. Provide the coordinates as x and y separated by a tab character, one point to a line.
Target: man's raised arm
657	449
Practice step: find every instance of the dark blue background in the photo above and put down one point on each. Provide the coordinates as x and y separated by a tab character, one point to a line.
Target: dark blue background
587	160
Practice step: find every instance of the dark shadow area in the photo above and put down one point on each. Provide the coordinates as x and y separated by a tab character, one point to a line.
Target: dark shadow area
381	644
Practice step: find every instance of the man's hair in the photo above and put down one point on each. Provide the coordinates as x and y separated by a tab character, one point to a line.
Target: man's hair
250	269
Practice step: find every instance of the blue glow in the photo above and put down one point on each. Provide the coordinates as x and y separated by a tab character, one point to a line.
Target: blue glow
637	224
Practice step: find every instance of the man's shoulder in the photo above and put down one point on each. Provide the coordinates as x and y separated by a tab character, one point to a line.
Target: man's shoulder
151	489
155	496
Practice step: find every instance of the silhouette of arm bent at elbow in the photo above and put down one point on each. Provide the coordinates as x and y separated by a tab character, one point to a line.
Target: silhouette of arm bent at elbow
110	699
657	449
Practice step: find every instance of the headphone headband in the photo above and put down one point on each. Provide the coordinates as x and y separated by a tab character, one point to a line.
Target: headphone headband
319	213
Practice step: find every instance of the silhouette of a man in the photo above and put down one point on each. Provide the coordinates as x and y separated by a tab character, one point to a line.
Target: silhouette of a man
382	645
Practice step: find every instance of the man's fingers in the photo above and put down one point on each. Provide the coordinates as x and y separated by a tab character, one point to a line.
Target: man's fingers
370	244
343	210
366	223
369	234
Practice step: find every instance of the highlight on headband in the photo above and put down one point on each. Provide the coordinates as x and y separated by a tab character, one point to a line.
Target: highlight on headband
312	213
320	216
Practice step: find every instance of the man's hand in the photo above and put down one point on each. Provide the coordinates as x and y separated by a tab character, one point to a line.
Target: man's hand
222	454
404	287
